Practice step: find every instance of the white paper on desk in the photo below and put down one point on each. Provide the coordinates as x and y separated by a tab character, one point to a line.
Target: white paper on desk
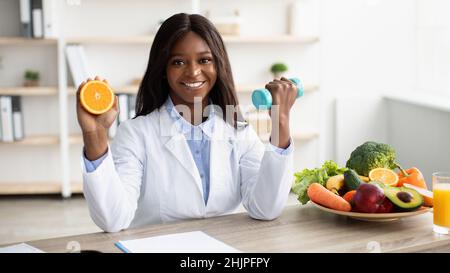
188	242
20	248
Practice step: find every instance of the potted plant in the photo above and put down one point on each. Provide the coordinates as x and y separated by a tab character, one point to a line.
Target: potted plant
278	69
31	78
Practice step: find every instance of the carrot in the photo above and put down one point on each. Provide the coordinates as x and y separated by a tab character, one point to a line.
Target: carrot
349	196
320	195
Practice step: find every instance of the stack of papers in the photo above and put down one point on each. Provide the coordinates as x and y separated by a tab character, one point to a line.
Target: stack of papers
20	248
188	242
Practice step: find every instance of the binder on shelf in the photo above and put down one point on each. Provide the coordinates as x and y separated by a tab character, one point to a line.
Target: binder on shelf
123	107
1	128
37	18
49	10
25	18
76	59
7	119
131	106
17	115
293	19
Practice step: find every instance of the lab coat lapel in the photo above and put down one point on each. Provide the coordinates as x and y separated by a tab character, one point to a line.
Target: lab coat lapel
177	146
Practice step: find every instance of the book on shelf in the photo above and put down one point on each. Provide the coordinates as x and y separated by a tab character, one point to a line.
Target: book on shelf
1	127
6	118
127	105
25	18
37	18
131	106
11	119
18	128
113	129
50	8
76	59
123	107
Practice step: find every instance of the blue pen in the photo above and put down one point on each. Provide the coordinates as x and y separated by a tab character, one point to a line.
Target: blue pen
121	247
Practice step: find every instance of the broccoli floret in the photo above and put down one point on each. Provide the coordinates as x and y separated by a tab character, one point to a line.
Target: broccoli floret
371	155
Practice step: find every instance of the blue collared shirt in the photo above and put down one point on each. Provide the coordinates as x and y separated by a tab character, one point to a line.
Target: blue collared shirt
199	141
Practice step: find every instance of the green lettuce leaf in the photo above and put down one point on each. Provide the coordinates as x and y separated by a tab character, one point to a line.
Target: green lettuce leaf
308	176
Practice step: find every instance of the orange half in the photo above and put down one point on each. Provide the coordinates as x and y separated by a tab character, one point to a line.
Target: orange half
96	97
387	176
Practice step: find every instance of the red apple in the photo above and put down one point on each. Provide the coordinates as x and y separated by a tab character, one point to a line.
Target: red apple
386	206
368	198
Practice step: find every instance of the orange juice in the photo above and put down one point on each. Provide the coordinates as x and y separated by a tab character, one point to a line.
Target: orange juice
441	211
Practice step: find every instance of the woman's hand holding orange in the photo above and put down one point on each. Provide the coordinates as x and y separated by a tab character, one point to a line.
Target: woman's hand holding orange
95	126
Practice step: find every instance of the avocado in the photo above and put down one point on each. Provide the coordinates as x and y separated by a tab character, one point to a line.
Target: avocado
405	199
352	180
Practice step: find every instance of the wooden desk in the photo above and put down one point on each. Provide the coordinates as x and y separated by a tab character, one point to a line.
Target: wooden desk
299	229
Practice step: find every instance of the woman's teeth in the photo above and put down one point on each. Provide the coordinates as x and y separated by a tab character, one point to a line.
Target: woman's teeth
193	84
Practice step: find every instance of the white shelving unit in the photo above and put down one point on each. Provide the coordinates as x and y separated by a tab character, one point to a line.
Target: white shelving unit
19	41
29	91
50	187
66	140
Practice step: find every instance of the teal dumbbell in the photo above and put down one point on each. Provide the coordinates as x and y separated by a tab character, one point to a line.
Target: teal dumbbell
262	99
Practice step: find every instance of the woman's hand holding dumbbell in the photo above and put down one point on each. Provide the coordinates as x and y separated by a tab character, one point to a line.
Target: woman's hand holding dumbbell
284	93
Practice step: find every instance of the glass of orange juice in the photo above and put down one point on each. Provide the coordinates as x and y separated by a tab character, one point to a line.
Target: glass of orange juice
441	196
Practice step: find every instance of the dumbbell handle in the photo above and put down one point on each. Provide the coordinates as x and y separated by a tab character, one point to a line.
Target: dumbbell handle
262	99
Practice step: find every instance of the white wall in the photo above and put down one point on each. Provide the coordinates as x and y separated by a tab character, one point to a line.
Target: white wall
433	47
400	47
420	136
367	49
359	119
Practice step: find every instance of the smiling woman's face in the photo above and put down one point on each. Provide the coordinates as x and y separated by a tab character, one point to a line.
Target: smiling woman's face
190	71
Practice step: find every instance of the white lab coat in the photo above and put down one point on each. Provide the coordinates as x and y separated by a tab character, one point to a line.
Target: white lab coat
149	175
